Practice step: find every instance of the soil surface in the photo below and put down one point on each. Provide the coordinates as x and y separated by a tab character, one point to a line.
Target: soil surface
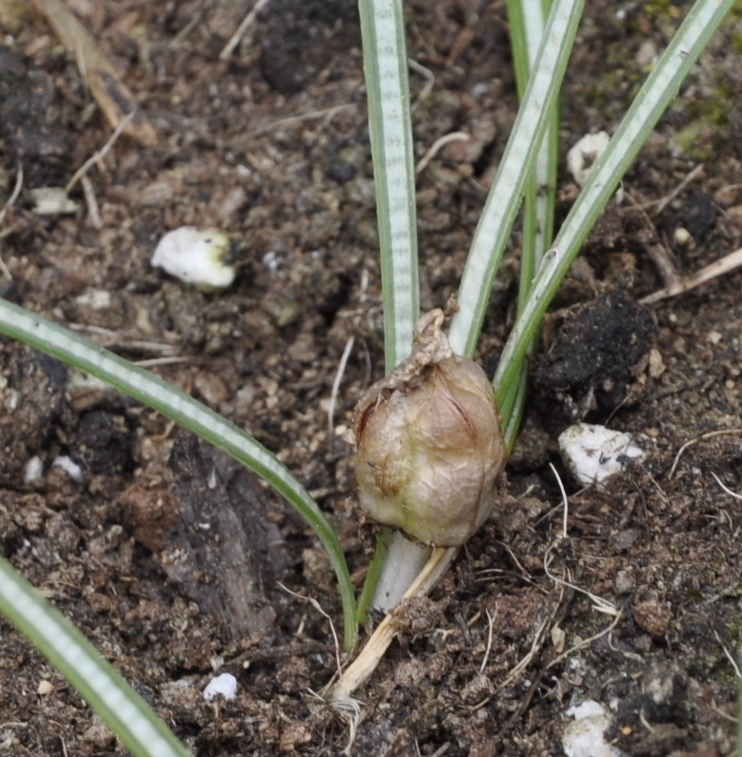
176	562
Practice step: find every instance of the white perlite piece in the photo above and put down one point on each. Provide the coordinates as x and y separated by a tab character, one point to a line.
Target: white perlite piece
583	156
96	299
52	201
33	470
593	453
195	257
69	466
224	685
584	736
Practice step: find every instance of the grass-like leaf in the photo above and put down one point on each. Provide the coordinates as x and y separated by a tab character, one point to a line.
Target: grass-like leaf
144	386
388	94
527	20
493	230
655	95
128	715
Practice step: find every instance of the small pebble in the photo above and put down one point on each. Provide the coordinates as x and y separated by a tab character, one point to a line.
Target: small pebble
69	466
33	470
583	156
623	582
195	257
593	453
224	685
52	201
584	737
96	299
682	236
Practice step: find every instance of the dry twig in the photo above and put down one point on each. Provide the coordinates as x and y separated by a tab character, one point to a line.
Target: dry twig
98	155
658	252
728	655
665	201
317	606
429	81
438	145
315	114
241	29
490	625
364	665
336	383
686	283
8	205
708	435
111	94
726	488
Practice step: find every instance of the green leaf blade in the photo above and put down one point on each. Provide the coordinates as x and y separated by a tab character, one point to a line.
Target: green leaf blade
655	95
501	207
387	86
191	414
143	733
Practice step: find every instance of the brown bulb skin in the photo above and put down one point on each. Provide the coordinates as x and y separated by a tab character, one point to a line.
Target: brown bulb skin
429	444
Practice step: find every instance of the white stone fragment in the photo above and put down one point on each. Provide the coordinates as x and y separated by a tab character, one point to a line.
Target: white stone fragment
682	235
224	685
584	736
588	709
195	256
96	299
52	201
33	470
270	260
69	466
9	398
583	156
593	453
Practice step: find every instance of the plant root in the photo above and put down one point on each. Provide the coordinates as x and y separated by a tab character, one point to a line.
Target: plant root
364	665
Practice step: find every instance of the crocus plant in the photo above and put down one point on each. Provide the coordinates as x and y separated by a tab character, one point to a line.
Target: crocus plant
434	434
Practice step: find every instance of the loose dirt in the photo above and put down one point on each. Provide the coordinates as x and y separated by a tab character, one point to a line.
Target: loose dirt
172	559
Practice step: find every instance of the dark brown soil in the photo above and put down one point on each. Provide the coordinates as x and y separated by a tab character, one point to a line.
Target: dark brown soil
172	559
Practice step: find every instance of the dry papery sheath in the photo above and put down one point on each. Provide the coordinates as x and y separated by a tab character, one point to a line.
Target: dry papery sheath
429	445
